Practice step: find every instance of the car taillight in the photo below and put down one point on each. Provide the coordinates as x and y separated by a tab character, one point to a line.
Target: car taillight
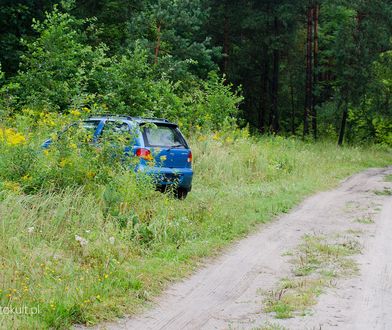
190	157
144	153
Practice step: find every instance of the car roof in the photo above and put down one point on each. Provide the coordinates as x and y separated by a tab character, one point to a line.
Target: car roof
138	120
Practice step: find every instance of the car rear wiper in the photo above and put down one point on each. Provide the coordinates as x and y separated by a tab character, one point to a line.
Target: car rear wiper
176	146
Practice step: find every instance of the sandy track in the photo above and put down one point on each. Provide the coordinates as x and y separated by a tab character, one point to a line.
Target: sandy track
226	294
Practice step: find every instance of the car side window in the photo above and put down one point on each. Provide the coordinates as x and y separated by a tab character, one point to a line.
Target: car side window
90	127
83	131
115	131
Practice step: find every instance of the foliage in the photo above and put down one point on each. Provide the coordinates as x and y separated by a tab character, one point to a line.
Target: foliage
92	246
212	104
61	72
55	69
78	55
171	31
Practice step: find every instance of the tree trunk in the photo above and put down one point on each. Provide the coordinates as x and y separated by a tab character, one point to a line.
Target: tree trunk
315	66
226	45
275	83
158	43
309	73
343	124
292	105
291	85
263	97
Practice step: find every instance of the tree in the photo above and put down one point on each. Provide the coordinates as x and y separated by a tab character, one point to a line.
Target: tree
16	17
171	30
54	71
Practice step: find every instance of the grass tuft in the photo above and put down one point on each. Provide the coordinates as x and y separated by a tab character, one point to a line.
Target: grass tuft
365	220
317	262
388	178
384	192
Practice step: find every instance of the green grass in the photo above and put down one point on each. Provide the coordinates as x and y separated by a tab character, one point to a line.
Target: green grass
122	260
365	220
270	326
388	178
384	192
317	262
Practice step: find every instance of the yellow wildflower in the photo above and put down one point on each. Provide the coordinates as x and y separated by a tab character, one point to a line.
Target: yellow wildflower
13	186
90	174
229	139
11	137
73	146
26	177
63	162
245	133
75	112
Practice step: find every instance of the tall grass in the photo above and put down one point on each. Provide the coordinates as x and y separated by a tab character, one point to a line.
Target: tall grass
87	255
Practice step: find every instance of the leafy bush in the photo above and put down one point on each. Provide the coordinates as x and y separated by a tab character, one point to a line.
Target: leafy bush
61	72
55	70
211	105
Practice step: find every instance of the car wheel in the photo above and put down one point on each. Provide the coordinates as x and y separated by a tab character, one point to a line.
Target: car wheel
181	193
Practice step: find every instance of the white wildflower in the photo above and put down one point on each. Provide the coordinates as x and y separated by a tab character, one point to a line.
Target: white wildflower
111	240
82	241
30	230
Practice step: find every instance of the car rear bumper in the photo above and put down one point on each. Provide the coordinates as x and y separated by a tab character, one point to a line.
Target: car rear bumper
165	176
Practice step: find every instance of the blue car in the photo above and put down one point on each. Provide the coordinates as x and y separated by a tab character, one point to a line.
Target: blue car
160	147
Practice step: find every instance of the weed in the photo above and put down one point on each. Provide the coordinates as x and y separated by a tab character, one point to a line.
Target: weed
270	326
317	263
365	220
385	192
388	178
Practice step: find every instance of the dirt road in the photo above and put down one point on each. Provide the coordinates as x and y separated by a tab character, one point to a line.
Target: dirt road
226	294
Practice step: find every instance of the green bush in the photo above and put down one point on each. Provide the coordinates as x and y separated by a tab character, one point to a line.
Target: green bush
60	72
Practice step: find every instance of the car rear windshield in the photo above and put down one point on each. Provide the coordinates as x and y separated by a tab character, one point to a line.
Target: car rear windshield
162	136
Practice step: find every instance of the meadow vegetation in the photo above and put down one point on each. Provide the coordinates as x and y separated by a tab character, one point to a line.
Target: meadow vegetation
86	240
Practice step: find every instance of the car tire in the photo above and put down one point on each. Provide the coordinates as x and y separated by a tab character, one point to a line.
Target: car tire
181	193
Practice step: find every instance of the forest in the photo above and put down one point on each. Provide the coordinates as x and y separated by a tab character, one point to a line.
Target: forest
307	68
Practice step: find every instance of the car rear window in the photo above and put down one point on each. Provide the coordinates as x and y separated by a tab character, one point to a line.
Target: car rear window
162	136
